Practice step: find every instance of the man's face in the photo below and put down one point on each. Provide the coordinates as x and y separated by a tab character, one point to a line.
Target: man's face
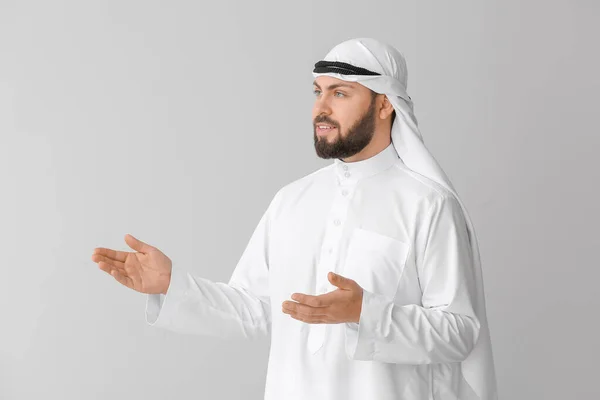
347	107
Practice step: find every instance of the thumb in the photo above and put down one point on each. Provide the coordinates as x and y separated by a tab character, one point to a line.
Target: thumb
340	281
137	245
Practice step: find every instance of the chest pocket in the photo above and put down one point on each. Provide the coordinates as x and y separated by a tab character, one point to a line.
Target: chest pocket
375	261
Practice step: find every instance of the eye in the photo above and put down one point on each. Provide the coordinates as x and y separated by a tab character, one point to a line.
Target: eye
317	91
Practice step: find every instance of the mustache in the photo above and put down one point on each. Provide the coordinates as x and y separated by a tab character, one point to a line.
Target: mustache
326	121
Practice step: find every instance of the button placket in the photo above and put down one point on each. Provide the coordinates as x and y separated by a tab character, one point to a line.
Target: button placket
328	260
333	233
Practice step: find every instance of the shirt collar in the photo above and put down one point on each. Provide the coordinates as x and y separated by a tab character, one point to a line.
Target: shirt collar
354	171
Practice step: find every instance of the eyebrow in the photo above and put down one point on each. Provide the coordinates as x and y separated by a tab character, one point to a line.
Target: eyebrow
335	85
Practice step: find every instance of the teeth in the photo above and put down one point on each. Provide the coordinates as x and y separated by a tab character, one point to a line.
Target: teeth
325	127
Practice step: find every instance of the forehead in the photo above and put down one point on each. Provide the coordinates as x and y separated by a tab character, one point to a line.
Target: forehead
329	82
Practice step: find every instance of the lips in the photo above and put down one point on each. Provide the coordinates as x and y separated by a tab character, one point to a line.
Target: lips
324	131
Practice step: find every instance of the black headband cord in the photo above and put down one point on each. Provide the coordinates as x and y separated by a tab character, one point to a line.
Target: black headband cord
341	68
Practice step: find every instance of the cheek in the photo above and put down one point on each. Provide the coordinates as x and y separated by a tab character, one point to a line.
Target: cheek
347	115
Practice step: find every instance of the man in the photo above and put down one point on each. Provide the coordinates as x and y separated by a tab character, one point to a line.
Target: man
365	273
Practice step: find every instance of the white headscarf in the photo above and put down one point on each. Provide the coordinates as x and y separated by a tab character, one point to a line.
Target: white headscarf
374	56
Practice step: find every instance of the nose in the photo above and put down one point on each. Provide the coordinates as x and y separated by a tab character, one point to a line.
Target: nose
321	107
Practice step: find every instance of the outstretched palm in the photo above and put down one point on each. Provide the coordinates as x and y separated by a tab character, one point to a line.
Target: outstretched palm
147	271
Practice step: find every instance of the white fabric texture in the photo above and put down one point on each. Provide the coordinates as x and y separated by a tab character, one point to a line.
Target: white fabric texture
380	57
401	236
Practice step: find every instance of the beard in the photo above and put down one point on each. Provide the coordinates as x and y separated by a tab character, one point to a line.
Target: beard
358	137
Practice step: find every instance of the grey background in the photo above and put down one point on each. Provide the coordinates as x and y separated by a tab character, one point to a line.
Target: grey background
177	122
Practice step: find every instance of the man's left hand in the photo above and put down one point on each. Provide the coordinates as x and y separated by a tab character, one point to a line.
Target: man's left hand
341	305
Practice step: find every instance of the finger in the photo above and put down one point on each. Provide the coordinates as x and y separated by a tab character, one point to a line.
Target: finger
311	312
122	279
108	268
341	281
304	310
97	258
322	300
309	320
137	244
112	254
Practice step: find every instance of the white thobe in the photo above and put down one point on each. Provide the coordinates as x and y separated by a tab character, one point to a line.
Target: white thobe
401	236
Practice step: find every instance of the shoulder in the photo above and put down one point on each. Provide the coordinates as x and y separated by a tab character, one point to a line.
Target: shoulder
425	190
301	183
291	189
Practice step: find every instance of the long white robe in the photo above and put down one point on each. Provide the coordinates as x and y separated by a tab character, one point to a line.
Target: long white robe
400	235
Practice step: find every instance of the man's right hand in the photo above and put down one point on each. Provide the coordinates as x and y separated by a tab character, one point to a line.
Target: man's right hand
147	271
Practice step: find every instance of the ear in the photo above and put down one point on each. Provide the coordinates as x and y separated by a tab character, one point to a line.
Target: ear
386	108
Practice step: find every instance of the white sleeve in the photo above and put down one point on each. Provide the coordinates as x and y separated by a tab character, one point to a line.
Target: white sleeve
240	308
445	328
